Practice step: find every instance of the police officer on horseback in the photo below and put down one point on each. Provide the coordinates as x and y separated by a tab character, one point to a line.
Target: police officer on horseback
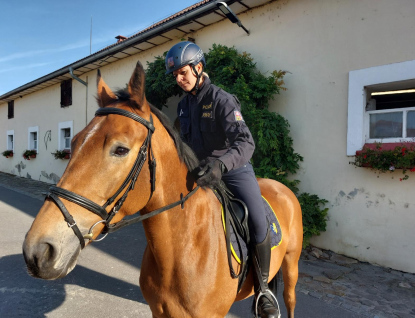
211	123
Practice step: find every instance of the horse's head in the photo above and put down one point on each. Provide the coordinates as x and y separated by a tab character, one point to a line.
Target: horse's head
103	156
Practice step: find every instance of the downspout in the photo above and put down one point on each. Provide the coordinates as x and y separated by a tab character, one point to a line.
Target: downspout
76	77
86	97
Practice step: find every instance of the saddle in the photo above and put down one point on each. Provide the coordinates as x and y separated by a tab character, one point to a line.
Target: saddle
235	219
235	224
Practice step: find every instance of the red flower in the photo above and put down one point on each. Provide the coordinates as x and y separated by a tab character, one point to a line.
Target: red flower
400	179
413	169
403	151
365	156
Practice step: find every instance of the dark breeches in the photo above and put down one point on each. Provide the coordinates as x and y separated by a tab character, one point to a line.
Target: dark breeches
243	184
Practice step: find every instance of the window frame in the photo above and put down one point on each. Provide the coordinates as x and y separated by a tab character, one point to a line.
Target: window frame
360	83
31	130
8	134
61	137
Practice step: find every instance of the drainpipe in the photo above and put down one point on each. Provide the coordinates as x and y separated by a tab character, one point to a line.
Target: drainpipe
86	97
76	77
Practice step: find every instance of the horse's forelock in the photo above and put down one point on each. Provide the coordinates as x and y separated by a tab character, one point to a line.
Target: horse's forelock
122	95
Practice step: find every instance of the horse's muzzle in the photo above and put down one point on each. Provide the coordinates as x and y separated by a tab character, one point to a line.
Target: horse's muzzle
44	260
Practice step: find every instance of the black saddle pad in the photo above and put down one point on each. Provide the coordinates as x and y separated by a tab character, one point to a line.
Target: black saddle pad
275	231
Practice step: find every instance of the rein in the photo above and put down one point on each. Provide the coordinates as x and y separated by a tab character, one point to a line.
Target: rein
128	184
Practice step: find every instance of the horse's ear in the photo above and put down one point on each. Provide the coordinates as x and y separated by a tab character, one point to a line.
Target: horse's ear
136	86
105	94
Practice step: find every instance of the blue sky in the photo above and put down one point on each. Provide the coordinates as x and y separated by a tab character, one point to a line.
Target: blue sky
42	36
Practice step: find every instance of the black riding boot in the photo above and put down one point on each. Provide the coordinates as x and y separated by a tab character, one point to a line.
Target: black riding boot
267	307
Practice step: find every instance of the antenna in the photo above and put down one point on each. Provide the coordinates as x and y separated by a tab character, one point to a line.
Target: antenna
90	39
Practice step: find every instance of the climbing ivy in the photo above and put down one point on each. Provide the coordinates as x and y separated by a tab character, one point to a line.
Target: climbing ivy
274	156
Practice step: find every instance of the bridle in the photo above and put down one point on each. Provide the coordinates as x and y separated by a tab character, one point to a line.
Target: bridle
55	193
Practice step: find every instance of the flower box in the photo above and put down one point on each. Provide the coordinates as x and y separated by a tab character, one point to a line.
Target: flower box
29	154
387	157
8	153
62	154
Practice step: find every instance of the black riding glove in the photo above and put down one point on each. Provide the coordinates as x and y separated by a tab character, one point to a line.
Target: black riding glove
211	174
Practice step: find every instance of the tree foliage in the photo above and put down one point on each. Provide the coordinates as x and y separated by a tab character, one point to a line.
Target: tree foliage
159	86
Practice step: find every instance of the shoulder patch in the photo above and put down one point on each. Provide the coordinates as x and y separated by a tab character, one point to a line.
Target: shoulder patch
238	115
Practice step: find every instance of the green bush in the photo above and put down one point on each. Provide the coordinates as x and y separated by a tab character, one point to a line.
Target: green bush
236	73
159	86
274	156
314	216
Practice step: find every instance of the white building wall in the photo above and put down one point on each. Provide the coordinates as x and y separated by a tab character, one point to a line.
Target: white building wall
318	42
41	109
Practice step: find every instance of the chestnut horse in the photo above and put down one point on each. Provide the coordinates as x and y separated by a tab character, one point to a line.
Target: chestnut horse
185	270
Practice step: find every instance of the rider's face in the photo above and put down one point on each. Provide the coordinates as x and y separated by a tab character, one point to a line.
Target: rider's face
186	78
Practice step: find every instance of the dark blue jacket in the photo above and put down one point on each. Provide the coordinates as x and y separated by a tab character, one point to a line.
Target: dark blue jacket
212	125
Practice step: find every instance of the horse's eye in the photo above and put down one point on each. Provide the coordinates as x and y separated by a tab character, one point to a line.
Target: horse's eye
121	151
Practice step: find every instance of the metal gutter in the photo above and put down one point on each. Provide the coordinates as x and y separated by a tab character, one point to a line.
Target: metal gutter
205	8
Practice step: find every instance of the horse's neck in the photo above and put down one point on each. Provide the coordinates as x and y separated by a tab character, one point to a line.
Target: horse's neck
171	233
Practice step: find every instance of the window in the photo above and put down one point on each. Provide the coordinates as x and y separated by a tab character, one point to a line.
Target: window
67	138
391	115
33	138
10	113
66	93
65	135
381	105
10	140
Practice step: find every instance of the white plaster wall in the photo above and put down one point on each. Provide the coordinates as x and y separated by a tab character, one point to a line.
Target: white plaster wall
41	109
319	42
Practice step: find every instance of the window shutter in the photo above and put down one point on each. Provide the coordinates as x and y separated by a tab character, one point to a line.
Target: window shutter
11	109
66	93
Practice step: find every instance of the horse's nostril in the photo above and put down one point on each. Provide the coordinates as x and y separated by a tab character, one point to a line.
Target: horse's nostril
40	258
46	252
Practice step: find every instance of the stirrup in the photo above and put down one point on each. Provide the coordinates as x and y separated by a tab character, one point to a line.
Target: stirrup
264	294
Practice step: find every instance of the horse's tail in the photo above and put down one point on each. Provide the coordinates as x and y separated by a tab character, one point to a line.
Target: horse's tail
273	286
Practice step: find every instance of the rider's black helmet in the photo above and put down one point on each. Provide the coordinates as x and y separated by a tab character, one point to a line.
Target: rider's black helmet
182	54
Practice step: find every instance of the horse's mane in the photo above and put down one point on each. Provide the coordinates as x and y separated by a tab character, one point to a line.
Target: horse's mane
185	153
